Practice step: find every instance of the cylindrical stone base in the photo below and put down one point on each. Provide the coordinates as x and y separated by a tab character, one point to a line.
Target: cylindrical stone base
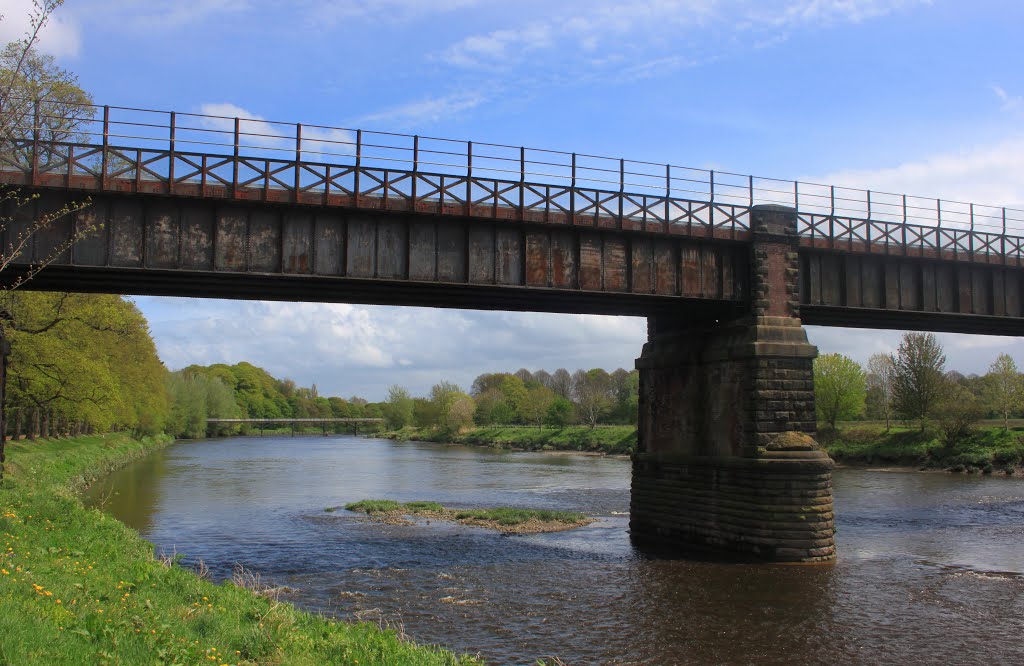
776	509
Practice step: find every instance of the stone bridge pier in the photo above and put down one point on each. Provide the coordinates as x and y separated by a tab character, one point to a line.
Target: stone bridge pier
726	458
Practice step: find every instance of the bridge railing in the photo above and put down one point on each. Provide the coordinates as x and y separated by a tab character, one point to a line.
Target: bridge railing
231	156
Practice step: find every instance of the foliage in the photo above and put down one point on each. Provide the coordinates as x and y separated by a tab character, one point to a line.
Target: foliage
918	376
1003	387
81	588
196	397
839	388
879	384
592	392
82	362
398	411
560	413
958	412
535	405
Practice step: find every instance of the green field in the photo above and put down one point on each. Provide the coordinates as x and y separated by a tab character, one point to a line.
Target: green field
78	587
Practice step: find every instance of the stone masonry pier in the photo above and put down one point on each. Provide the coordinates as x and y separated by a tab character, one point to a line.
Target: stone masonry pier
727	458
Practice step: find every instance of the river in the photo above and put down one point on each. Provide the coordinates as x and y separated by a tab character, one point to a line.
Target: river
931	566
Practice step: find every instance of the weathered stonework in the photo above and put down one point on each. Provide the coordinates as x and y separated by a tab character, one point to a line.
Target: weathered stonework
726	452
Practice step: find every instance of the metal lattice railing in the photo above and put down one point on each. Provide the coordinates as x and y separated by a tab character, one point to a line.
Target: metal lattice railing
118	148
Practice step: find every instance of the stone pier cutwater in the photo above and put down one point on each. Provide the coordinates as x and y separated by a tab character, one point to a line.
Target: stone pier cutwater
726	457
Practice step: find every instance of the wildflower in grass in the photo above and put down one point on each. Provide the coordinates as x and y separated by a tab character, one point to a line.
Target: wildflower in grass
5	572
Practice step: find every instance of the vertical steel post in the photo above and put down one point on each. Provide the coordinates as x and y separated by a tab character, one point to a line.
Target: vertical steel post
104	158
415	166
469	178
298	161
234	180
572	192
359	166
622	191
668	193
170	154
522	182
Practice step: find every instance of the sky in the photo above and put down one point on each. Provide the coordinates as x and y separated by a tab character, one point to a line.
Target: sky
917	96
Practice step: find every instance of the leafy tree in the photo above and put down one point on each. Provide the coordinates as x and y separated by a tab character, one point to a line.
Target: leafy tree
398	410
592	392
460	413
918	376
536	404
958	411
560	412
1003	387
879	380
839	389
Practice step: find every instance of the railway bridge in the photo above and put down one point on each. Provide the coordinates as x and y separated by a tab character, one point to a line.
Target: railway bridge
725	267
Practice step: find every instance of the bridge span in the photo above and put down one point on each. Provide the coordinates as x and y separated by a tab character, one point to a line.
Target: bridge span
726	268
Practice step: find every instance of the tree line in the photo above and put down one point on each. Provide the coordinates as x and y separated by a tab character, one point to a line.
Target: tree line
540	398
913	385
86	363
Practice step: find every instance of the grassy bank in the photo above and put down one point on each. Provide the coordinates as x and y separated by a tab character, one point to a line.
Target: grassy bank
503	519
602	439
989	449
78	587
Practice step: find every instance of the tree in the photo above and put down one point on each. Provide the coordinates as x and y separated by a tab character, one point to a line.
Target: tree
398	411
535	405
561	383
839	389
918	376
879	380
560	413
1003	387
591	390
460	413
958	411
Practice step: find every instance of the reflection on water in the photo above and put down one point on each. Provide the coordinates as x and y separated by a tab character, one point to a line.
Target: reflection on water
930	565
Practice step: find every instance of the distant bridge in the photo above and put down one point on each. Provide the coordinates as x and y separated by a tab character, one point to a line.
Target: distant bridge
726	268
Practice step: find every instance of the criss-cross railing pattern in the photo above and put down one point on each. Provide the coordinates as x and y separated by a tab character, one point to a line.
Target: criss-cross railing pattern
136	150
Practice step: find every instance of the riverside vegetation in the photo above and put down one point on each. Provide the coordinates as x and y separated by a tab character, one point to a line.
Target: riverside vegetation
78	587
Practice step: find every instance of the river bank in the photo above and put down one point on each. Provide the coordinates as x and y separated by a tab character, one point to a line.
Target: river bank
81	587
985	450
607	440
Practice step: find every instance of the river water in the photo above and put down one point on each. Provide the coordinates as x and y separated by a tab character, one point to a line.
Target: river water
931	566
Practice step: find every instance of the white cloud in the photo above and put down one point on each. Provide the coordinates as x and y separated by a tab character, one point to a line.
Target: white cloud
259	135
356	349
334	11
990	175
427	110
1008	102
614	25
164	15
60	37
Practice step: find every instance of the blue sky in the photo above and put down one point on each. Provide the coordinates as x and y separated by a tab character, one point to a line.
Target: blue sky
902	95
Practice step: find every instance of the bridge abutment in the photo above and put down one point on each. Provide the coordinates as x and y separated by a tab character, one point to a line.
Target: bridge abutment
726	456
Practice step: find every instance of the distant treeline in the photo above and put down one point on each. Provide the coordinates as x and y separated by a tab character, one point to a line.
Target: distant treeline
540	398
86	363
246	391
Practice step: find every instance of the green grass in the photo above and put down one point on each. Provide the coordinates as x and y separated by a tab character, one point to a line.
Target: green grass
78	587
616	439
374	506
986	449
504	516
510	516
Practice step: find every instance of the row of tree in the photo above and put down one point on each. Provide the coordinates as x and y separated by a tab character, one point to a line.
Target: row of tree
536	398
83	363
245	391
912	384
